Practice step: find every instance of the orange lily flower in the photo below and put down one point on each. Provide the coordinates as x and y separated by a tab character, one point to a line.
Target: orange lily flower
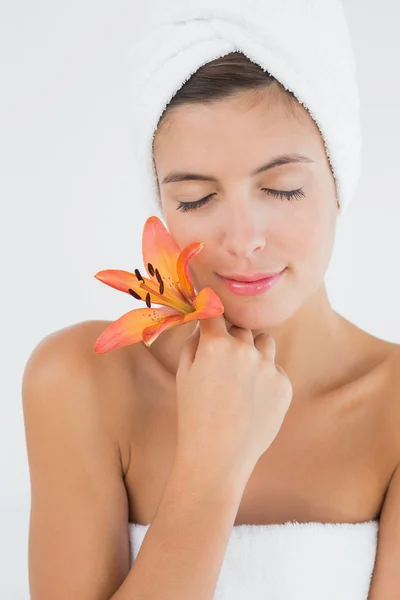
168	283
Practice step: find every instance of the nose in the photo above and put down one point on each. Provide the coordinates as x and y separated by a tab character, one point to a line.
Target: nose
243	233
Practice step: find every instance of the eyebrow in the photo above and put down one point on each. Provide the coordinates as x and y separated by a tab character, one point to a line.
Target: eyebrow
277	161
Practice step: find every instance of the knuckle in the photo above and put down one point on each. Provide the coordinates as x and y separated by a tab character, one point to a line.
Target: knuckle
267	363
246	352
214	345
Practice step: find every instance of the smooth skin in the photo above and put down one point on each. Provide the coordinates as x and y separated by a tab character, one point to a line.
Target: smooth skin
253	395
102	430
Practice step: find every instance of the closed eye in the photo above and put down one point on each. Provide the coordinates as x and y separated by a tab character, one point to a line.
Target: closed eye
282	195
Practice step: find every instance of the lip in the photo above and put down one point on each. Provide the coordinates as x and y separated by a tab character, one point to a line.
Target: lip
252	288
251	278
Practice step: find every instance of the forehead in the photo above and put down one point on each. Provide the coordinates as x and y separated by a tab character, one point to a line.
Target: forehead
245	122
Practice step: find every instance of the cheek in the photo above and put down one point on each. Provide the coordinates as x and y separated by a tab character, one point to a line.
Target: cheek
310	241
186	231
182	235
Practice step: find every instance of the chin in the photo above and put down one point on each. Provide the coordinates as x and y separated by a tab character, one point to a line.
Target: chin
255	320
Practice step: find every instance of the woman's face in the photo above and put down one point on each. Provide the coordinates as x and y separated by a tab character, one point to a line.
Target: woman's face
245	228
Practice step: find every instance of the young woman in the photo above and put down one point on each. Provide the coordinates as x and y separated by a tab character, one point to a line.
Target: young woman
203	439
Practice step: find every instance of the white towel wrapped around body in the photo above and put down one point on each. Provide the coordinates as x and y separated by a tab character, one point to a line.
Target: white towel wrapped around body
293	561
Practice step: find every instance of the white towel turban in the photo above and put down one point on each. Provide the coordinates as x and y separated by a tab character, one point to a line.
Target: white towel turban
304	44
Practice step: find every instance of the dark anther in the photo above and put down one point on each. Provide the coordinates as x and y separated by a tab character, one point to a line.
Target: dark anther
159	278
151	269
148	300
138	275
161	288
134	294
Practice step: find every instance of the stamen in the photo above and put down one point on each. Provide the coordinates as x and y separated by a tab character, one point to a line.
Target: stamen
134	294
138	275
159	278
150	268
180	305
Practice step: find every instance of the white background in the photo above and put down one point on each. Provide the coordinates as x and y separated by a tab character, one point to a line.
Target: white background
69	205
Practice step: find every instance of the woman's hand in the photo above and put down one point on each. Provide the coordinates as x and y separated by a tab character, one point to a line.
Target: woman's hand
231	396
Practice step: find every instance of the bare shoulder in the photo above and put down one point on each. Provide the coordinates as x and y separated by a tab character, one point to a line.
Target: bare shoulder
77	337
73	348
394	379
390	353
388	365
69	352
389	395
385	580
394	359
377	364
377	356
103	382
76	429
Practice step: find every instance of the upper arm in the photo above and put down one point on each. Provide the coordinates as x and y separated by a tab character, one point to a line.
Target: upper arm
78	536
385	584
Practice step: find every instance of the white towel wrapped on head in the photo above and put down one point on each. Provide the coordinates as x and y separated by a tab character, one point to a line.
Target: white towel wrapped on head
304	44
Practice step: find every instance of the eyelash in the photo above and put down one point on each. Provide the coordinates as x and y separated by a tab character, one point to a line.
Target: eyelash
283	195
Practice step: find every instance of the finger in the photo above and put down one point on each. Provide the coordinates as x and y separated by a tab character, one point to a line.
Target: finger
188	350
212	327
265	344
281	370
241	334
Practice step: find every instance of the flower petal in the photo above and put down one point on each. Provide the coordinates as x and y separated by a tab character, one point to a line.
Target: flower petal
120	280
161	250
185	280
151	333
159	247
208	305
129	328
124	280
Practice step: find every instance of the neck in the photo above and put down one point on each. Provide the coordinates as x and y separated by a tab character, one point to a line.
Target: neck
311	345
314	346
